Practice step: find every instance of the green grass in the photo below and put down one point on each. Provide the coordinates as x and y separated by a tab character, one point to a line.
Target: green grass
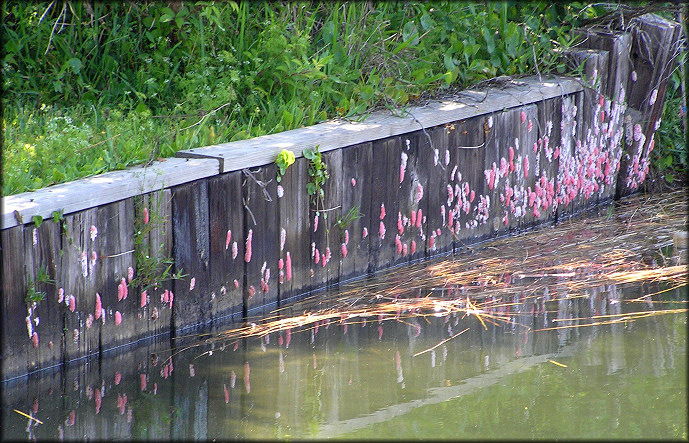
91	87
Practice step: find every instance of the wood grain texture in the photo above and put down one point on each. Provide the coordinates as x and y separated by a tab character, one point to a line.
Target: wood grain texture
226	220
157	313
384	203
15	340
261	218
42	256
79	282
548	125
293	209
618	45
467	140
357	163
191	254
328	236
113	244
435	192
413	180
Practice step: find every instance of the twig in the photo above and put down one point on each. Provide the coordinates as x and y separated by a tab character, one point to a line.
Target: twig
28	416
446	340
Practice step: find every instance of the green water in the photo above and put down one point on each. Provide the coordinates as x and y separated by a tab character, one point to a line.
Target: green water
362	381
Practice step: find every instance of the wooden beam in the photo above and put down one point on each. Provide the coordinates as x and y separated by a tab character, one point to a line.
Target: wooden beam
379	125
102	189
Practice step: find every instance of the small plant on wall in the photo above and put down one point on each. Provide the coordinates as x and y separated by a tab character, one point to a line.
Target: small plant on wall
153	266
283	161
34	297
318	173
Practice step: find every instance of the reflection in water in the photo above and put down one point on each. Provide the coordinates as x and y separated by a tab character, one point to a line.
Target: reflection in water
341	379
542	335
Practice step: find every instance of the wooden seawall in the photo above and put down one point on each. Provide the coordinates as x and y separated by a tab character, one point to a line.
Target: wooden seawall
431	181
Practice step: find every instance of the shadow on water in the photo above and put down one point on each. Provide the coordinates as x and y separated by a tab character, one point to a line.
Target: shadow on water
576	331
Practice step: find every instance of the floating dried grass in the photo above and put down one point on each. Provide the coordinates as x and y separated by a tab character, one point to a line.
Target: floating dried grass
624	246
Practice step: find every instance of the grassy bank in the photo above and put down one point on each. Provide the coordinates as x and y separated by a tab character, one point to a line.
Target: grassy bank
91	87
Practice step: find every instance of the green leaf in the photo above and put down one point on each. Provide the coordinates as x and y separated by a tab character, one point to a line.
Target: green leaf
57	215
75	64
37	219
490	41
366	92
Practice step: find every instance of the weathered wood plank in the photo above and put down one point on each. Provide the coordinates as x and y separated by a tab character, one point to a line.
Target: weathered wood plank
380	125
569	173
113	245
15	338
548	145
226	246
324	232
105	188
618	45
467	141
157	313
191	245
384	204
293	208
82	334
499	142
412	181
261	224
42	255
654	49
530	178
357	163
655	44
429	145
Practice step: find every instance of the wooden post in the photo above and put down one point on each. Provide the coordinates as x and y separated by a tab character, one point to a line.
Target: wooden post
654	50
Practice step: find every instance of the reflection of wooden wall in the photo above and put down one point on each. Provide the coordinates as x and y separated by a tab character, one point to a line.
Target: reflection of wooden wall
491	162
330	378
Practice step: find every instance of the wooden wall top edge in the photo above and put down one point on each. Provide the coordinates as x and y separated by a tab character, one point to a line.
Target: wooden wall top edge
104	188
335	134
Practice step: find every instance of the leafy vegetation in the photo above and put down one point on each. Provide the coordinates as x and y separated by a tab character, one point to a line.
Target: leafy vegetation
32	294
98	86
318	174
283	161
153	266
670	158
